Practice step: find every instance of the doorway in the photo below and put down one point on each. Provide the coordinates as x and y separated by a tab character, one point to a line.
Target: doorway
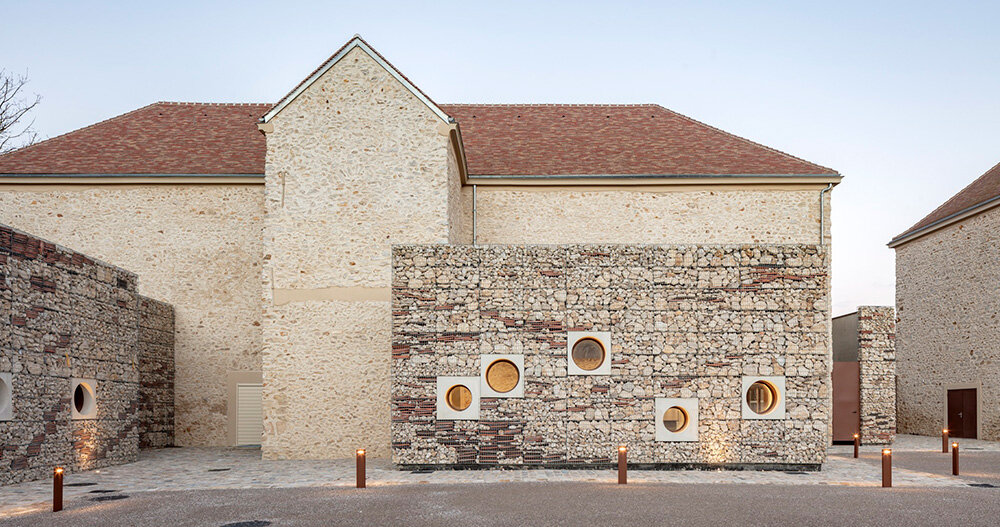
249	414
846	400
962	413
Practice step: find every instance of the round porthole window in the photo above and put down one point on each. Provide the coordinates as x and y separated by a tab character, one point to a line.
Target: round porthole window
83	399
762	397
5	397
588	354
502	376
459	397
675	419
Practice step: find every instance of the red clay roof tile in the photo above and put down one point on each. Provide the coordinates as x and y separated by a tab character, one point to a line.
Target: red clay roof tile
983	189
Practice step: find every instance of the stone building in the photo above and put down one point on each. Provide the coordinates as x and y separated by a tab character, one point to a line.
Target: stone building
270	229
948	360
864	375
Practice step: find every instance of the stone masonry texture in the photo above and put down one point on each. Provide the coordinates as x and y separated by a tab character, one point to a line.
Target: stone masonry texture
948	323
877	365
685	321
156	374
65	315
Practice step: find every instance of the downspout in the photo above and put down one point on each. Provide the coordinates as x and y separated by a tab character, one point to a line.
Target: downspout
822	213
473	214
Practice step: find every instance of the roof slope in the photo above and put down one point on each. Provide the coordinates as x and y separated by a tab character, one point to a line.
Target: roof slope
562	139
983	189
162	138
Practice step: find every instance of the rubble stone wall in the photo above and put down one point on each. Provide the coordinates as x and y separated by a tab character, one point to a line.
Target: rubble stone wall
686	321
877	365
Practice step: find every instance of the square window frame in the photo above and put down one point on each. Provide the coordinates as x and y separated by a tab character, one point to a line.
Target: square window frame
78	416
604	337
689	405
447	413
778	413
484	363
7	399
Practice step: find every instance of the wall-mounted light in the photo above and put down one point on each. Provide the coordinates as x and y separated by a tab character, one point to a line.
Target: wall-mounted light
359	457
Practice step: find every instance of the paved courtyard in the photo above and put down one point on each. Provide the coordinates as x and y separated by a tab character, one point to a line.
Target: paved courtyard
918	464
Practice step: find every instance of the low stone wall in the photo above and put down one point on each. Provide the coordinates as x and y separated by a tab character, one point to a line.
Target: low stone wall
877	365
64	316
684	322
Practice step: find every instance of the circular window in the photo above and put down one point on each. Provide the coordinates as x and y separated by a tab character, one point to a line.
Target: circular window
5	395
675	419
83	399
459	397
502	376
588	354
762	397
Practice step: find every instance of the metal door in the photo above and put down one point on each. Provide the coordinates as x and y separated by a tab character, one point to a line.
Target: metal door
962	413
846	400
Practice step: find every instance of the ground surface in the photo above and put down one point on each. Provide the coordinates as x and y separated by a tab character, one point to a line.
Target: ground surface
512	504
213	486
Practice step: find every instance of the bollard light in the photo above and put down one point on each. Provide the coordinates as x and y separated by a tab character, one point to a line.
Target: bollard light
944	441
57	489
622	465
360	458
954	458
887	467
857	443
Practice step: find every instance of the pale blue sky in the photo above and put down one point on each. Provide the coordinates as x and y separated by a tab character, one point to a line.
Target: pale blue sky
901	98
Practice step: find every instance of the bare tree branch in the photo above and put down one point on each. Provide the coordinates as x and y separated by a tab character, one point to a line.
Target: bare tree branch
14	108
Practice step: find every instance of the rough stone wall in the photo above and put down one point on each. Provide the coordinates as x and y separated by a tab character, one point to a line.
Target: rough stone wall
685	321
877	364
650	215
156	374
197	247
948	324
64	315
354	164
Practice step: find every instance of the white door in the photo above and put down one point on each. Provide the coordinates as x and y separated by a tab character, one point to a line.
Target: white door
249	414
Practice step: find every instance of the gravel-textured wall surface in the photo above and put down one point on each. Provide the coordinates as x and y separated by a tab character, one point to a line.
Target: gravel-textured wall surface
156	374
64	315
685	321
877	364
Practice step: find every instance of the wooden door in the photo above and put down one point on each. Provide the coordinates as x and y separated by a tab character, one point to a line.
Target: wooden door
846	400
962	413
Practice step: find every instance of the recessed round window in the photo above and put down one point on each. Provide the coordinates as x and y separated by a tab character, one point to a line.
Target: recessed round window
675	419
459	397
83	399
502	376
5	395
588	354
762	397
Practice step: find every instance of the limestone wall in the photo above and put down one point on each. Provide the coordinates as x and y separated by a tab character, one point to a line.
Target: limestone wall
685	321
197	247
876	339
948	327
354	164
64	315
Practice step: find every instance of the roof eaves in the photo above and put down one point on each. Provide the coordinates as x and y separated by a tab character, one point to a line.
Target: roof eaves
967	212
356	42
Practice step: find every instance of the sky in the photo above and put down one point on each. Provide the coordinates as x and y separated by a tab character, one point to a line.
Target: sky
899	97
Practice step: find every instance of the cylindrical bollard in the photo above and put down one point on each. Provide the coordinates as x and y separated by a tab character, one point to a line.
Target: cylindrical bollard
857	443
887	467
57	484
944	441
622	465
360	458
954	458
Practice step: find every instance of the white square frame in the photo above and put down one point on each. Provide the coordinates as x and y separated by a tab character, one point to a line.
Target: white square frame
445	412
89	411
604	337
778	382
484	363
6	396
690	432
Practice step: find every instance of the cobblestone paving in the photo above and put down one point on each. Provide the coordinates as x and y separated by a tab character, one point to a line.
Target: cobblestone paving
242	468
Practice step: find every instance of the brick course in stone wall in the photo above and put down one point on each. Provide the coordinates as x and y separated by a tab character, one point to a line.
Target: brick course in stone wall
685	321
877	365
64	315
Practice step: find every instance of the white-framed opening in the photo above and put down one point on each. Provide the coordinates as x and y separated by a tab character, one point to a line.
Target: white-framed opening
83	398
458	398
676	418
6	396
763	397
588	352
249	414
501	375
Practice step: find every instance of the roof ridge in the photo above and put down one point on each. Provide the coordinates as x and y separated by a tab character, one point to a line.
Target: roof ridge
748	141
195	103
554	104
914	227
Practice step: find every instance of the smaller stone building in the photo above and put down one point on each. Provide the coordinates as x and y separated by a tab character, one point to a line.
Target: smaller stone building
864	375
948	302
86	364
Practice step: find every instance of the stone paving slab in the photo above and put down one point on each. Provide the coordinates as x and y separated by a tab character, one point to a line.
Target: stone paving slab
241	468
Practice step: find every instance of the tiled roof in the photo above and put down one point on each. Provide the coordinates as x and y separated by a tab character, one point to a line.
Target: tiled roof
983	189
162	138
562	139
